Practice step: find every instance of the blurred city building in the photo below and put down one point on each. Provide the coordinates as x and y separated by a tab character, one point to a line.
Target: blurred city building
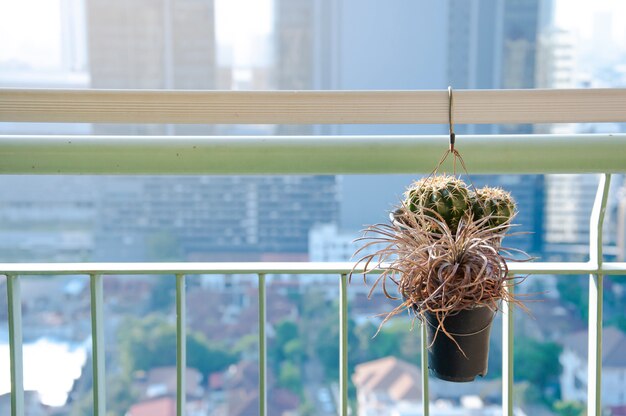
574	362
152	44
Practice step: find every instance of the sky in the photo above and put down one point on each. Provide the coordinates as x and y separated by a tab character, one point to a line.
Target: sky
30	32
34	38
30	29
239	26
578	16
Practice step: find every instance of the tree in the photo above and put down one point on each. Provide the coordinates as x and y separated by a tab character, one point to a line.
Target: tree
163	246
247	346
398	338
572	289
286	354
290	377
538	363
162	293
569	408
151	342
327	347
286	345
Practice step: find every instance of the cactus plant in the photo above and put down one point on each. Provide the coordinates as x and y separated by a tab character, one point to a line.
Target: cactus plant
495	203
443	251
449	198
446	196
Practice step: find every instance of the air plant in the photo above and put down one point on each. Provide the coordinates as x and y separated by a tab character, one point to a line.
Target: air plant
442	250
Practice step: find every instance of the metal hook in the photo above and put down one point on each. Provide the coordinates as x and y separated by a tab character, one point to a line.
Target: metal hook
450	118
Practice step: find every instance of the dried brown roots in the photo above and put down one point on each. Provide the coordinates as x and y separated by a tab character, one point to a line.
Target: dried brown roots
435	270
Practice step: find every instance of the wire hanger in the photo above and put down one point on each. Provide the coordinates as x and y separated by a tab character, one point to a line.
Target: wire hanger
451	149
451	119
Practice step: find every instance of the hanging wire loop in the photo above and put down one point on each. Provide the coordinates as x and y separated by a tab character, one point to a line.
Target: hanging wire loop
451	150
451	119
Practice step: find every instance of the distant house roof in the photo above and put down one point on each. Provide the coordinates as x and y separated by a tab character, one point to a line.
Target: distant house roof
399	379
613	346
553	319
617	411
241	384
162	406
32	404
216	381
245	403
243	375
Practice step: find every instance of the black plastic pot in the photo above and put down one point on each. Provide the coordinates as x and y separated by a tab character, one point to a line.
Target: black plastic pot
470	328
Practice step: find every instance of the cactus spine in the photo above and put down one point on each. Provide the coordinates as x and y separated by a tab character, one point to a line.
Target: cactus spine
446	195
449	198
493	202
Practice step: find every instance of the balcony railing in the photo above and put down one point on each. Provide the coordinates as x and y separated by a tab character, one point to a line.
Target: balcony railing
307	154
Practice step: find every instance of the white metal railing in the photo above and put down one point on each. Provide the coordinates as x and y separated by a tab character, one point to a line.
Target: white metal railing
310	154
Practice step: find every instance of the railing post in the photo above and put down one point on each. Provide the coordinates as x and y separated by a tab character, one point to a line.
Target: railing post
181	345
507	355
425	390
14	298
97	343
343	345
262	347
594	360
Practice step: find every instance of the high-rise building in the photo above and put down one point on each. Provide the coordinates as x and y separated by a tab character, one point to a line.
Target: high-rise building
73	36
569	202
528	192
213	218
352	45
157	44
413	45
493	44
295	33
47	218
556	63
171	44
359	45
152	44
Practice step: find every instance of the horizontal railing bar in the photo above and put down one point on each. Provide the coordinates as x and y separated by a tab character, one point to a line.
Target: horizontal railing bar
188	268
613	268
496	154
312	107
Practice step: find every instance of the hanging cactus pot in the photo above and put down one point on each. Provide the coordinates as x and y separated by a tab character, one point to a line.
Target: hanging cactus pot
442	253
464	354
443	250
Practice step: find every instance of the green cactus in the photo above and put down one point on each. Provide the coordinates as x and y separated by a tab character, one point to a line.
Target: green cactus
446	195
493	202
